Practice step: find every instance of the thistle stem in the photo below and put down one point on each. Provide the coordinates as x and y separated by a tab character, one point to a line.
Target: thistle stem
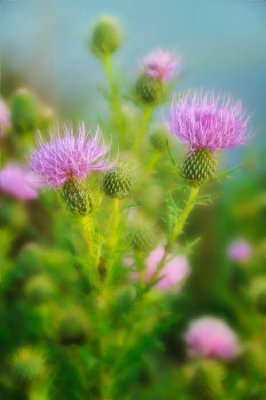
178	228
152	163
146	116
115	98
113	238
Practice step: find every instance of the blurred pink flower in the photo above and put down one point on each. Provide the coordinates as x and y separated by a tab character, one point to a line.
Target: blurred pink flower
206	120
19	182
4	118
210	337
239	250
73	155
174	272
162	64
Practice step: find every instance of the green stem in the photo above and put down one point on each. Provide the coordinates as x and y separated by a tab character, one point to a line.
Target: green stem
152	163
178	228
115	98
113	239
146	116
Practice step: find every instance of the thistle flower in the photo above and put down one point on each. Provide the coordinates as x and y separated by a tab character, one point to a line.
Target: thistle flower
203	120
239	250
106	37
210	337
173	274
4	117
19	182
206	382
161	64
71	156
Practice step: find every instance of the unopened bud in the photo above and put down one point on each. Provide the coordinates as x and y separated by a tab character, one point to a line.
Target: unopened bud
199	166
76	197
106	37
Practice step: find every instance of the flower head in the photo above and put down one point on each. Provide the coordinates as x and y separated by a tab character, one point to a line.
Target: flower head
239	250
73	155
203	120
19	182
161	64
174	272
4	117
210	337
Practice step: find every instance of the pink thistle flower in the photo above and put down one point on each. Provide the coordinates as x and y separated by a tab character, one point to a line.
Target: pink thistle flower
239	250
73	155
203	120
19	182
210	337
162	64
4	117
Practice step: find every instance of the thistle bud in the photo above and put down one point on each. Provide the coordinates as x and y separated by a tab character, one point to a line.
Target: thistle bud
73	327
149	90
159	139
77	197
39	289
117	182
106	37
206	381
24	111
141	238
199	166
27	364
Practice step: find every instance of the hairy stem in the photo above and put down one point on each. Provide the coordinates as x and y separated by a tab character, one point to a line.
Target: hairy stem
178	228
115	97
146	116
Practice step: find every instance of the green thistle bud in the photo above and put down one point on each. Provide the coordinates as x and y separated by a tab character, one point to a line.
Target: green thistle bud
159	140
106	37
27	364
24	111
77	197
73	327
39	289
117	182
141	238
149	90
207	381
199	166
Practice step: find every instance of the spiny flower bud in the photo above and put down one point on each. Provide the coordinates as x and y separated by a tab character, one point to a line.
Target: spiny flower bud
24	111
159	139
206	381
76	197
39	289
141	238
149	90
106	37
199	166
27	364
117	182
73	327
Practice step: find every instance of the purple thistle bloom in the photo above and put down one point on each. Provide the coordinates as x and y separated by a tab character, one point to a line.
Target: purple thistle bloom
4	118
73	155
203	120
161	64
239	250
19	182
210	337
